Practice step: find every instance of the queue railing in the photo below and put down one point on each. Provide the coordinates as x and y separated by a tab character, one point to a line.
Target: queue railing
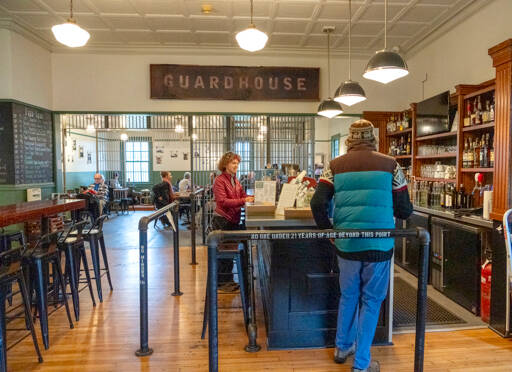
193	202
172	208
215	238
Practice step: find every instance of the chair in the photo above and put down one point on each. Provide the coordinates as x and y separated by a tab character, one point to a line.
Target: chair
11	271
233	251
72	245
94	236
44	254
6	243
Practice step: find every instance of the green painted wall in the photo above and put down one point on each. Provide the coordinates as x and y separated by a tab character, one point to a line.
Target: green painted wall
11	194
76	179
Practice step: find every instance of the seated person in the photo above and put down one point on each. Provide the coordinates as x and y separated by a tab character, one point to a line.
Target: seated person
163	194
114	182
100	190
185	185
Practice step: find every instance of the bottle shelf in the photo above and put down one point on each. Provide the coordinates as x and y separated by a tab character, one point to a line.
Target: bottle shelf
490	88
438	156
478	127
436	136
403	157
399	132
477	170
451	180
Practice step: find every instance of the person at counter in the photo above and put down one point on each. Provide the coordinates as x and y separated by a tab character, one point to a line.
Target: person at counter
230	197
100	191
163	194
114	182
369	188
185	184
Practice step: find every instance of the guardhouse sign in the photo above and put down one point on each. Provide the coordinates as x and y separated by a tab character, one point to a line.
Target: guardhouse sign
234	83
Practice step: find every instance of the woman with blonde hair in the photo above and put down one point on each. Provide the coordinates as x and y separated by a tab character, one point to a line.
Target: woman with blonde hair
230	197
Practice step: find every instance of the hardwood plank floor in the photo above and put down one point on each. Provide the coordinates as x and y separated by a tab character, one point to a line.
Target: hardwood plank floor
107	336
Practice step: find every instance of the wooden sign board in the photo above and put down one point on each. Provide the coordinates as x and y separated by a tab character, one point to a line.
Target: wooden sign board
234	83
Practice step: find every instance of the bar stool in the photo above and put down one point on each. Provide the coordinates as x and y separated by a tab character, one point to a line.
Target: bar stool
6	243
11	271
94	236
40	258
73	247
233	251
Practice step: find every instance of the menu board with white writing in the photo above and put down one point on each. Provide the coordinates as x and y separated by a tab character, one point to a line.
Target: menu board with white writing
29	137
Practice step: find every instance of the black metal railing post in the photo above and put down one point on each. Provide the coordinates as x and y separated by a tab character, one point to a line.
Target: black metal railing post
143	288
144	349
176	249
203	215
193	197
421	301
215	238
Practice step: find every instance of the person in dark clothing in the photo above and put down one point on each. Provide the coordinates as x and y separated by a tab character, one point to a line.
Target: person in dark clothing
369	189
163	194
230	197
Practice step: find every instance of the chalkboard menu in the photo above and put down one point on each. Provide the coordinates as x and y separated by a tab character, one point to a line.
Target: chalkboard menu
26	139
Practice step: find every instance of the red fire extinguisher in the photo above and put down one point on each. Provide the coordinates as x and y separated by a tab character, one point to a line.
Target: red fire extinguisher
485	291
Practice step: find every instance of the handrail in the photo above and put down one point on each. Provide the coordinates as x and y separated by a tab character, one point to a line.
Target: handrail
193	196
143	270
215	238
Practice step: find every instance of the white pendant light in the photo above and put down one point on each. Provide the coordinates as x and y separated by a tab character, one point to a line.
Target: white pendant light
124	137
179	128
194	137
251	39
90	128
328	107
386	66
350	92
69	33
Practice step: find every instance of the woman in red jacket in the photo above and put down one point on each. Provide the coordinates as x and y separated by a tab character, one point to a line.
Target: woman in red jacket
230	197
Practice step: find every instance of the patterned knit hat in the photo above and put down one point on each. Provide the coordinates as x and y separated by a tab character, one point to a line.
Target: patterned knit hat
360	132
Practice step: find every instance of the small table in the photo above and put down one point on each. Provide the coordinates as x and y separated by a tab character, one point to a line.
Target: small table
121	194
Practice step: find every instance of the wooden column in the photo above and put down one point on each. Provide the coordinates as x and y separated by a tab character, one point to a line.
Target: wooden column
501	55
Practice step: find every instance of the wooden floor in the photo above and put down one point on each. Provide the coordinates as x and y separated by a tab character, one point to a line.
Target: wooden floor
106	336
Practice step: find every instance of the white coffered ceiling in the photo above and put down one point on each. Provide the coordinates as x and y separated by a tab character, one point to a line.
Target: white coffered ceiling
290	24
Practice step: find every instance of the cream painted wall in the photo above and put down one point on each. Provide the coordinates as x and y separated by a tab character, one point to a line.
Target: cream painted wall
460	55
5	64
31	72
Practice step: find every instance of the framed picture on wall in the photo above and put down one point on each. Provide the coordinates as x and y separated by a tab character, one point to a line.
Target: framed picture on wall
81	152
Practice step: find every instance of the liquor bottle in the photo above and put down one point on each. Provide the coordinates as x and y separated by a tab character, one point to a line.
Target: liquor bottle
484	152
485	115
448	197
408	149
406	120
471	154
467	119
465	155
442	197
491	154
473	113
461	197
481	153
491	112
476	153
479	112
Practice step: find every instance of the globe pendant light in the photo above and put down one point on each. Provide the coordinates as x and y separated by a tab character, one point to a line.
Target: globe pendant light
385	66
69	33
329	107
350	92
251	39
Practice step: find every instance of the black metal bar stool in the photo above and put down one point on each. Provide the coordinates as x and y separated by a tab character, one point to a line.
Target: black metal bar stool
72	245
11	271
94	236
234	251
40	258
6	243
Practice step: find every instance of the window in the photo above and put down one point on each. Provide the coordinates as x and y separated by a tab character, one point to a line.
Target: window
244	150
335	146
137	161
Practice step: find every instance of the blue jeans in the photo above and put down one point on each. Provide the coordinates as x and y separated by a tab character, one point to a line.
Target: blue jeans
363	285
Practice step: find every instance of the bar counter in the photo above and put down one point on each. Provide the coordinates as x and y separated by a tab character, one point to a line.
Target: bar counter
300	290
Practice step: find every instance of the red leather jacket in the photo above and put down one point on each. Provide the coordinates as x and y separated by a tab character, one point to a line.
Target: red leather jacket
229	200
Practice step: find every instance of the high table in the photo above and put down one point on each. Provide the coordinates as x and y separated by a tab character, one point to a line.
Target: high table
300	290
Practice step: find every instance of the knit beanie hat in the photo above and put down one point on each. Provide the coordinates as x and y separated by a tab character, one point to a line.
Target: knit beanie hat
361	132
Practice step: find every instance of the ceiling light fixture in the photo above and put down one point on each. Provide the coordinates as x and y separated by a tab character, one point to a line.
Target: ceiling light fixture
386	66
194	137
350	92
69	33
90	128
263	129
328	107
124	137
251	39
179	129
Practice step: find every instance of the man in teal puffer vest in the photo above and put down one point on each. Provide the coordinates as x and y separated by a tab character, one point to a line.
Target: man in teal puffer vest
369	189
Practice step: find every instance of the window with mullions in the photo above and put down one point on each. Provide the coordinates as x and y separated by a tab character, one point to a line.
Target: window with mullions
244	150
137	161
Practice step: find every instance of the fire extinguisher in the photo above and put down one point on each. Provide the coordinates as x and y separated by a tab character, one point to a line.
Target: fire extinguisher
485	291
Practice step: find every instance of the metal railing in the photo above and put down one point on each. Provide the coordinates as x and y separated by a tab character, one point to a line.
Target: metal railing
215	238
143	269
198	194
